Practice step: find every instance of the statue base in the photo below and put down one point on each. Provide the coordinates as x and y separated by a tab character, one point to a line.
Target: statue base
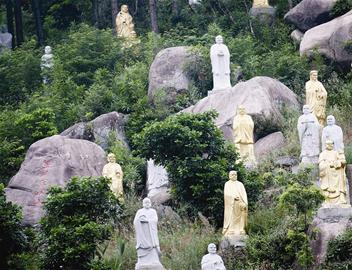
233	241
328	224
264	15
216	91
149	267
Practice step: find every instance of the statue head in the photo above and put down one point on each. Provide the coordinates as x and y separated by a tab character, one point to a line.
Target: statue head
47	50
329	145
233	175
241	110
124	8
147	203
219	39
330	120
306	109
111	158
313	75
212	248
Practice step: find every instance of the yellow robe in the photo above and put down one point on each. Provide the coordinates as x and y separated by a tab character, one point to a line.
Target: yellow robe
260	3
114	171
235	209
316	97
124	25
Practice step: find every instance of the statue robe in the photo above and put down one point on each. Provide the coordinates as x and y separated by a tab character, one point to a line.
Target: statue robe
333	133
332	177
260	3
147	241
316	97
114	171
220	62
235	208
124	25
212	262
309	137
243	127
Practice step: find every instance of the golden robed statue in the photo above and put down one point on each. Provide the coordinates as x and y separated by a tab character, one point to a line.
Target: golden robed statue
243	127
124	23
332	176
316	97
260	3
113	171
236	207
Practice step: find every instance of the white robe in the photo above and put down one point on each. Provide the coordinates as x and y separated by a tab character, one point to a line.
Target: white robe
220	62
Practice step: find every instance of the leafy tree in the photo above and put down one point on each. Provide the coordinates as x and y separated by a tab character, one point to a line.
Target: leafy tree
78	218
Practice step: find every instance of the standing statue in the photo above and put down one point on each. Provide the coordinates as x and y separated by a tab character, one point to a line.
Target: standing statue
334	133
316	97
146	226
212	261
236	207
124	24
113	170
243	127
332	176
220	62
309	136
260	3
47	63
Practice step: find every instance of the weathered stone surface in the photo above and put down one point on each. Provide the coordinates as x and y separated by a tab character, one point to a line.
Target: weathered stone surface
296	36
5	41
263	97
168	72
310	13
264	15
329	222
99	129
51	162
269	144
157	183
286	161
331	39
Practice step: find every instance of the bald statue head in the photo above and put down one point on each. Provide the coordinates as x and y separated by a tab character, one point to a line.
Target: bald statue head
212	248
313	75
219	39
241	110
147	203
306	109
233	175
330	120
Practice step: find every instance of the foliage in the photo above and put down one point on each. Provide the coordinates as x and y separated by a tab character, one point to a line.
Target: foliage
13	239
78	218
340	8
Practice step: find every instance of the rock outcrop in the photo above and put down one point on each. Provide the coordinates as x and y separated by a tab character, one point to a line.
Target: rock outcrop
269	144
99	129
331	39
51	162
263	98
168	72
310	13
157	183
5	41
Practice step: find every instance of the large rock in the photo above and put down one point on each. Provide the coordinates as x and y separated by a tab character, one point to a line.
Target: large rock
168	72
310	13
263	98
329	223
332	39
5	41
157	183
268	145
99	129
51	162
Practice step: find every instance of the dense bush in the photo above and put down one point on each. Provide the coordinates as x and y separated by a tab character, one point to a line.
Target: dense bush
78	218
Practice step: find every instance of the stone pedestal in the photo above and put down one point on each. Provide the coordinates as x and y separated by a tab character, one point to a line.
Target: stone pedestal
150	267
263	14
329	223
237	241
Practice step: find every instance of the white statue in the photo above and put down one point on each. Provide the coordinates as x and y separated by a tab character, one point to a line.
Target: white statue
47	58
146	227
212	261
309	136
220	62
334	133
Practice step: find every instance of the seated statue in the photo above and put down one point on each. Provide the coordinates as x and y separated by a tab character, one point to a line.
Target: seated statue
47	58
212	261
124	24
113	171
332	176
146	227
235	208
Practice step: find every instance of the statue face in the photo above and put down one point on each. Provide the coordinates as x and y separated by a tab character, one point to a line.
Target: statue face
47	50
241	110
330	120
219	40
306	109
329	145
111	158
212	248
147	203
233	175
124	8
314	75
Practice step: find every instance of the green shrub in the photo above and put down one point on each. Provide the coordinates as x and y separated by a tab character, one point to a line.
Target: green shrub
340	8
78	218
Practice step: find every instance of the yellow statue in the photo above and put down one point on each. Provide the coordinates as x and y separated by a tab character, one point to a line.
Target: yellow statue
332	176
260	3
113	170
236	207
124	24
316	97
243	127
